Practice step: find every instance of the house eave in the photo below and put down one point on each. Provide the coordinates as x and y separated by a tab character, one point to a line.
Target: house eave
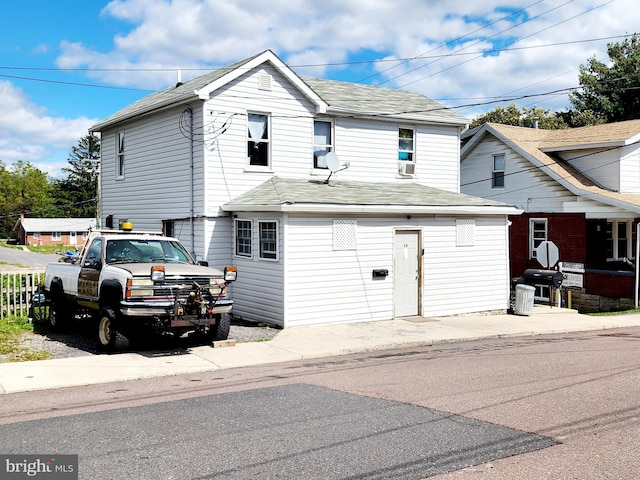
158	107
404	117
376	209
586	146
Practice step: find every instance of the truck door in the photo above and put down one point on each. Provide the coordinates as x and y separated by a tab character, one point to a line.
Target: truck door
89	278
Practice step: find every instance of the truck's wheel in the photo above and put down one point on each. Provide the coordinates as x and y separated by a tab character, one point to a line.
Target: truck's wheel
222	327
109	335
58	315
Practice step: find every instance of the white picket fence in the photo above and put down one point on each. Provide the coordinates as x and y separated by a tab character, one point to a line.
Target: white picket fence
17	290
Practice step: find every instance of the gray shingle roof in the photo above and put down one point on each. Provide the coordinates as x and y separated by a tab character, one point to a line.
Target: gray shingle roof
533	143
366	99
57	224
286	194
346	97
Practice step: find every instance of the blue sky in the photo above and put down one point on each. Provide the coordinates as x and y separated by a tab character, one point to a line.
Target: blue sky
65	65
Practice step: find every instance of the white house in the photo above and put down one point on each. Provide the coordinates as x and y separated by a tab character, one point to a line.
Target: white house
240	164
579	188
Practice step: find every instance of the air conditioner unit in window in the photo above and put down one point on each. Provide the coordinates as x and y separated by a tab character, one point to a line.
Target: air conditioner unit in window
407	168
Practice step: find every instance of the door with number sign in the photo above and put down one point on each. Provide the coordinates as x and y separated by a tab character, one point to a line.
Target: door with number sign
406	273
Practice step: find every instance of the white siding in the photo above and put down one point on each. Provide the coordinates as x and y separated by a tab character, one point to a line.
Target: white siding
258	293
217	241
526	186
370	146
438	158
630	170
291	135
601	166
157	180
323	285
328	286
462	279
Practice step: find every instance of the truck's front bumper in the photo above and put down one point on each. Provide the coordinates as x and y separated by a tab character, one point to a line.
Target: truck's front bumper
176	315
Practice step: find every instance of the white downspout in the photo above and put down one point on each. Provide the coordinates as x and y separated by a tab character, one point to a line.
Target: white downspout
192	208
637	263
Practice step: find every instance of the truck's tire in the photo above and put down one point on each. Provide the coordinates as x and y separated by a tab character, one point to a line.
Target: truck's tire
58	314
109	334
222	327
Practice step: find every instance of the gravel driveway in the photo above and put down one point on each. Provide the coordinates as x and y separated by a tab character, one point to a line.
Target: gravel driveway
82	342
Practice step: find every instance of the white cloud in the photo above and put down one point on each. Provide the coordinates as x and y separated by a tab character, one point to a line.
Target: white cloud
27	133
193	34
209	33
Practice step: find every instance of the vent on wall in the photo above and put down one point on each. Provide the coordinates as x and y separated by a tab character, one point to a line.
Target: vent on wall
264	81
407	168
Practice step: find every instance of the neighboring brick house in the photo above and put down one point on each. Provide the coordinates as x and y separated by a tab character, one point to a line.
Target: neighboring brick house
579	188
53	231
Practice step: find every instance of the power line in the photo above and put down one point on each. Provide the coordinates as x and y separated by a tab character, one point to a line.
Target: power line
512	43
424	55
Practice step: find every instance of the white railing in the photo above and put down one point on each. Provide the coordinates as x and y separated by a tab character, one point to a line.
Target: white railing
17	290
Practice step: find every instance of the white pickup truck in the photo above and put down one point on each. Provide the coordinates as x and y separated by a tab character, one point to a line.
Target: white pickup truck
127	282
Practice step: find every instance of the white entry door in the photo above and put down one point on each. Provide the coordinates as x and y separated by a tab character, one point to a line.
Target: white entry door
406	273
72	238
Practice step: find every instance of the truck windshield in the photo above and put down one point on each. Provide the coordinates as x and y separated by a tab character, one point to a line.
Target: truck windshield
146	251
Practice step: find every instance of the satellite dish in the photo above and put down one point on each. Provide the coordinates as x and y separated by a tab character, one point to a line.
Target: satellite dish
333	162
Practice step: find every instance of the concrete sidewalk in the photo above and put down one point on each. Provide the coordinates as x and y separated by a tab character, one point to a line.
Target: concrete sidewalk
296	344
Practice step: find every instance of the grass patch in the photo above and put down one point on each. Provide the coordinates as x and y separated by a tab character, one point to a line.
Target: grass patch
12	345
617	312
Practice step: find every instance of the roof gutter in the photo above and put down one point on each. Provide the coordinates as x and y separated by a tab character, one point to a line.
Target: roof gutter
377	209
169	103
345	112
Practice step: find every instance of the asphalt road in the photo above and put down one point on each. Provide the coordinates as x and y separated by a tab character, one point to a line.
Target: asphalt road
12	258
547	407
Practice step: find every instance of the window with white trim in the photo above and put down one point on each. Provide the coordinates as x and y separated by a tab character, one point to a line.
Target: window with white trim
537	234
497	171
120	154
243	238
258	140
406	145
56	236
620	240
268	238
322	143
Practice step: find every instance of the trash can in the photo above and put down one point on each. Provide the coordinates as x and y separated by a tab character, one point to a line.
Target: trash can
524	299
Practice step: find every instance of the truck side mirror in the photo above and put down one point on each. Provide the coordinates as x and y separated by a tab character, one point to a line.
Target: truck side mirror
93	262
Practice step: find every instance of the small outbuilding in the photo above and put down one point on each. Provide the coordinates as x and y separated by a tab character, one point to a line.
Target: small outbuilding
53	231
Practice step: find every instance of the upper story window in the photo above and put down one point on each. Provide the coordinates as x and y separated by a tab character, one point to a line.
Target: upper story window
497	168
322	143
120	155
258	140
537	234
406	144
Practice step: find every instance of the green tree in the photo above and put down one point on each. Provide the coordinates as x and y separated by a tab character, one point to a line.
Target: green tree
77	194
610	91
521	117
24	190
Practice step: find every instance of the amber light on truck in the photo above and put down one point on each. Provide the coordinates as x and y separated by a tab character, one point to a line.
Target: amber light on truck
157	273
230	274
